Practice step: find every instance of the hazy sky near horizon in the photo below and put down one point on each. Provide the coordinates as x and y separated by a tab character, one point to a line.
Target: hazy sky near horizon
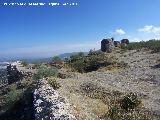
42	31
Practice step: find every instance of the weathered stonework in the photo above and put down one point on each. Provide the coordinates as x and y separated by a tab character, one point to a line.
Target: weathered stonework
49	105
13	75
107	45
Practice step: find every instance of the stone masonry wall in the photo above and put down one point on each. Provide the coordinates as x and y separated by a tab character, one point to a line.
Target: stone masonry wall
49	105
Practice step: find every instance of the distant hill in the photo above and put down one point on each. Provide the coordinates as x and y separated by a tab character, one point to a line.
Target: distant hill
8	59
49	59
39	60
67	55
29	60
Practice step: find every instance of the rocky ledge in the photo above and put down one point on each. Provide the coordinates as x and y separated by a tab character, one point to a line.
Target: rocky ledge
49	105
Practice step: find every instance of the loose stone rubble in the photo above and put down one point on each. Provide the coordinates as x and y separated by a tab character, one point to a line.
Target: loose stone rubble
49	105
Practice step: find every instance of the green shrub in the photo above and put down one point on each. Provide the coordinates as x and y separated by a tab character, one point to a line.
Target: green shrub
130	101
18	103
23	84
127	109
54	83
115	113
89	63
12	97
151	44
13	87
45	71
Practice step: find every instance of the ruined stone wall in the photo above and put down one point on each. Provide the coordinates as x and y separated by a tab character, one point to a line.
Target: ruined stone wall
107	45
49	105
13	75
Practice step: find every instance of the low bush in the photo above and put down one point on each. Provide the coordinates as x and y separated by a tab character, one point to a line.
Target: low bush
130	101
24	84
89	63
151	44
127	108
116	113
45	71
18	104
54	83
12	97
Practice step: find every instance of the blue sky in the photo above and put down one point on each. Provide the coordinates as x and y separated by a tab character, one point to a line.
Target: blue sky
43	31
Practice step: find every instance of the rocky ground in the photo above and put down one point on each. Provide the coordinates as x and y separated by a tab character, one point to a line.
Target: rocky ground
90	93
89	96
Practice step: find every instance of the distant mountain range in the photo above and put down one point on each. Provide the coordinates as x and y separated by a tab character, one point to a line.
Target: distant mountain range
40	60
67	55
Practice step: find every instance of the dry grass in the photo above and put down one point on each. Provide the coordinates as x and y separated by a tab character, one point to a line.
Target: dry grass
53	82
92	101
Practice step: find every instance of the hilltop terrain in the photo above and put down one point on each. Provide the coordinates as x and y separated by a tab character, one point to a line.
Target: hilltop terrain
87	91
120	85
